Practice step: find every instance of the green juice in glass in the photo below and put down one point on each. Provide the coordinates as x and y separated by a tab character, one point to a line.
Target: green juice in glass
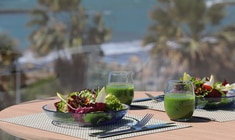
179	107
124	92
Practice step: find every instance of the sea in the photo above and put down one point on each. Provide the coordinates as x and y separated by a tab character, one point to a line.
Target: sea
128	19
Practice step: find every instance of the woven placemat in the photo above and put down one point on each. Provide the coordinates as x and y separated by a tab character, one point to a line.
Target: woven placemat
43	122
215	115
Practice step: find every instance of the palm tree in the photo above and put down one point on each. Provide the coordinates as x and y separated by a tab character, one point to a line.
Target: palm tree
180	36
63	24
8	56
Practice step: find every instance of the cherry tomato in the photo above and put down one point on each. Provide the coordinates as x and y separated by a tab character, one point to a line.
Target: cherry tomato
207	87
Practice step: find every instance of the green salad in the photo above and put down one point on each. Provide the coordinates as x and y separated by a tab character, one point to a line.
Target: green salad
207	87
88	100
210	94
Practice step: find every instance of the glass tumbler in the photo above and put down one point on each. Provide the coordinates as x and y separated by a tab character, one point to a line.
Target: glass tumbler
120	84
179	100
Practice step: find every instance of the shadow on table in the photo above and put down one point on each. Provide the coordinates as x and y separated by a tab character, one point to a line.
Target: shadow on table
138	107
196	119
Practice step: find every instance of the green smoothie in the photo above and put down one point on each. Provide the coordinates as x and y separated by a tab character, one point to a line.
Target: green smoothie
124	92
179	107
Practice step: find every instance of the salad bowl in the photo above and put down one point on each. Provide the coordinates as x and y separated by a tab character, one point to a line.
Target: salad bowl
223	102
85	119
210	94
87	107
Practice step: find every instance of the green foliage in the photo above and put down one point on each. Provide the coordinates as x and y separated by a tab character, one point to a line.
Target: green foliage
182	18
60	5
41	89
215	14
8	53
60	24
178	33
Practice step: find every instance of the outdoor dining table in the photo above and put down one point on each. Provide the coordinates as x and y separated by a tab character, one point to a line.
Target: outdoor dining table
199	127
